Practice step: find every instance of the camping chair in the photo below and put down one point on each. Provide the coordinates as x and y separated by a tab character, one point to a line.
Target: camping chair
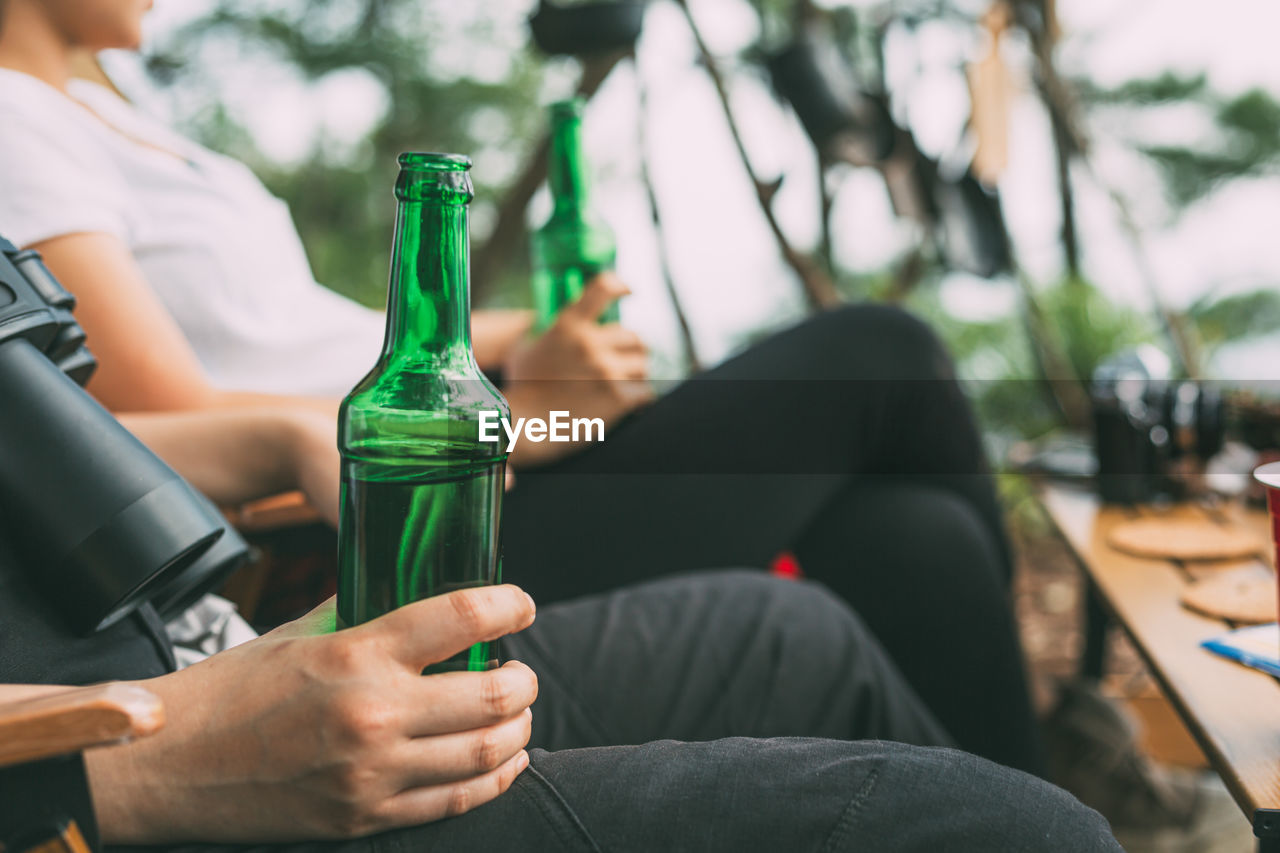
45	805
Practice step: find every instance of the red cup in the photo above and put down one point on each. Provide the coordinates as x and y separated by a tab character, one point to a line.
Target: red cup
1269	476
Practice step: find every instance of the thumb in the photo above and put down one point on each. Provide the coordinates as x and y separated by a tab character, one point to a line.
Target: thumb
601	292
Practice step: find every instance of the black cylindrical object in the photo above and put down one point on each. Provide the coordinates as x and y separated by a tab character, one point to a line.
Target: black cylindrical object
99	518
1127	456
587	29
206	574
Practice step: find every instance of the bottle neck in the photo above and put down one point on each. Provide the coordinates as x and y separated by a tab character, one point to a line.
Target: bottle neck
567	174
429	305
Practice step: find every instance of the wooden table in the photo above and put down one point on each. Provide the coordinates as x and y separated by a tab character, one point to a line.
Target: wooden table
1233	711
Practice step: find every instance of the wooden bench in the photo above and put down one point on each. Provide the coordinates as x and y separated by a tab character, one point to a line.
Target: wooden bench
1231	710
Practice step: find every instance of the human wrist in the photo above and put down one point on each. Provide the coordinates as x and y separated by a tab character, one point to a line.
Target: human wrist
310	446
131	800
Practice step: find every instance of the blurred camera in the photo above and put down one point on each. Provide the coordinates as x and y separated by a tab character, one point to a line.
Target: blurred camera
1152	434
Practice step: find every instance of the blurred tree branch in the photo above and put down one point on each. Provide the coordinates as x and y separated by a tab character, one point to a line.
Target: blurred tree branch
818	286
692	363
1038	18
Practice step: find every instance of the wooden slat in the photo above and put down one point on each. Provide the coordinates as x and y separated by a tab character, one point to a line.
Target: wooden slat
68	839
1233	711
72	720
274	513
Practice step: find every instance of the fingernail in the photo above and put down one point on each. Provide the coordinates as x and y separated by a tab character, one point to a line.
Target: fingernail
522	761
532	604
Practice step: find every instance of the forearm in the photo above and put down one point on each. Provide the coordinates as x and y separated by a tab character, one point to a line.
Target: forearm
254	400
232	455
141	790
18	692
204	397
149	389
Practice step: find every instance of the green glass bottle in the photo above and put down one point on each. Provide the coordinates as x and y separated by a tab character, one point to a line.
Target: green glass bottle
574	244
421	494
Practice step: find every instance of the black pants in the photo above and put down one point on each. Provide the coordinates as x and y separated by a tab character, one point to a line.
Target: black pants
708	657
845	440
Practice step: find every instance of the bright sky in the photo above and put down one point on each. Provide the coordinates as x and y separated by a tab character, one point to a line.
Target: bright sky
726	266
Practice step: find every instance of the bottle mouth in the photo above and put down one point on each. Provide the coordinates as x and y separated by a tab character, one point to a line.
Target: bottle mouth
434	162
440	178
571	108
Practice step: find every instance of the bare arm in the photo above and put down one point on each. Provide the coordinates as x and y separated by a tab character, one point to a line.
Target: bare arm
144	361
238	455
18	692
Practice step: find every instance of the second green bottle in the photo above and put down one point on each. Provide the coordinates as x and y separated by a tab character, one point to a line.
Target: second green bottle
575	244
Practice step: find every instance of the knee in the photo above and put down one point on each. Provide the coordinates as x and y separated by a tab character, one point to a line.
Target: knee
961	532
887	523
808	630
980	805
780	612
881	342
778	606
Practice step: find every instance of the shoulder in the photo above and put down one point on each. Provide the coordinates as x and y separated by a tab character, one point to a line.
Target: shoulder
56	176
41	123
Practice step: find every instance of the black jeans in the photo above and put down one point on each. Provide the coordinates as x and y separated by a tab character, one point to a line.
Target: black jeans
708	657
845	440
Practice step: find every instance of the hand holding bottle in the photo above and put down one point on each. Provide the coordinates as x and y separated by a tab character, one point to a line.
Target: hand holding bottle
308	733
580	366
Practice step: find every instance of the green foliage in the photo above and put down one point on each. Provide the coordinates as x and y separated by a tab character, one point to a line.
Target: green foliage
1190	175
1001	365
996	361
1163	88
443	93
345	217
1255	114
1091	326
996	356
1232	318
1248	144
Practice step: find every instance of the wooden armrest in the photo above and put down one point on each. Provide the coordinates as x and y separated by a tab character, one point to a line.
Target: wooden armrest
73	720
274	513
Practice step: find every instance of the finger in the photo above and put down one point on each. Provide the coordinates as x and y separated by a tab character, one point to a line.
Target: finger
441	759
461	701
626	367
429	631
622	339
633	366
634	393
601	292
423	805
510	482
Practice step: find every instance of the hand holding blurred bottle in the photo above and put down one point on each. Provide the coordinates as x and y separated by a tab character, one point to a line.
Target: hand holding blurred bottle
579	366
574	245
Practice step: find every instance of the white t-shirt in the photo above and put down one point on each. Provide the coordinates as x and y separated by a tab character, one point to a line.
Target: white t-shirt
220	252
